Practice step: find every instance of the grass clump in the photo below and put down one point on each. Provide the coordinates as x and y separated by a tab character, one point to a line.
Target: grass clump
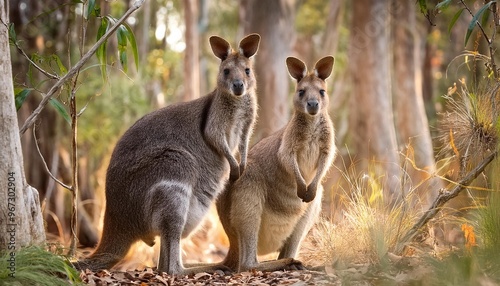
368	231
36	266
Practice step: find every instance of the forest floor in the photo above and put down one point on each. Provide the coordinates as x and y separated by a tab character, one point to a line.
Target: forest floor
401	272
397	270
425	262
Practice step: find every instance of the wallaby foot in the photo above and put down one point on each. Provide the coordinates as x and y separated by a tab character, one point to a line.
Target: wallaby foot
280	264
97	262
275	265
192	268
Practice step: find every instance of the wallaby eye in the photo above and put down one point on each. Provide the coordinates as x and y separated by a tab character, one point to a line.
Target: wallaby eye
247	71
226	71
322	92
301	92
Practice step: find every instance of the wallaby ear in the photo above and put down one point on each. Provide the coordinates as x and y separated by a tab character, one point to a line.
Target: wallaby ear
220	47
296	68
323	68
249	45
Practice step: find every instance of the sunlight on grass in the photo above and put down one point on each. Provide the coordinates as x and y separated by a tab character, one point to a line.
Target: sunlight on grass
368	230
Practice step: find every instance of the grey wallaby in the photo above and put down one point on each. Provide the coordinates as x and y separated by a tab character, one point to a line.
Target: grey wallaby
275	202
171	164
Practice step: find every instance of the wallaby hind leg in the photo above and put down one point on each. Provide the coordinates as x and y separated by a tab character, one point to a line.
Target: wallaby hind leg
291	245
244	230
170	206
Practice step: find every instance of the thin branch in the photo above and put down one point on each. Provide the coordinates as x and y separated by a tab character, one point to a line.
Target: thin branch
46	73
442	198
36	113
492	49
490	41
477	22
45	163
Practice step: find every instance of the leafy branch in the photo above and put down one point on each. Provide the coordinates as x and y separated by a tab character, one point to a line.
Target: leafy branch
74	70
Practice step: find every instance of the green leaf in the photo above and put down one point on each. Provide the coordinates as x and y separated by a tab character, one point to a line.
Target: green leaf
123	59
12	34
90	8
485	17
133	43
101	51
121	35
423	6
21	97
442	5
454	19
474	21
122	46
59	63
61	109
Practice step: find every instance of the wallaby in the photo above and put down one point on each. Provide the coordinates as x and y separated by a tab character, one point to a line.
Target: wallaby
171	164
275	202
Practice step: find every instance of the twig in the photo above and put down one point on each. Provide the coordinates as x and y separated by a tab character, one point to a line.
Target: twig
492	50
46	97
45	164
74	172
46	73
490	41
442	198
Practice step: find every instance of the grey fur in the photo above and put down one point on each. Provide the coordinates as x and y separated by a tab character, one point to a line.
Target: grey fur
172	163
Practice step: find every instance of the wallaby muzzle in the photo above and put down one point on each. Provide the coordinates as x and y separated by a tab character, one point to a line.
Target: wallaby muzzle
312	107
238	87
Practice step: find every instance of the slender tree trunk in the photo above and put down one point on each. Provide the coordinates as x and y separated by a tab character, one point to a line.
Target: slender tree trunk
145	28
332	32
191	54
273	20
21	221
372	123
411	119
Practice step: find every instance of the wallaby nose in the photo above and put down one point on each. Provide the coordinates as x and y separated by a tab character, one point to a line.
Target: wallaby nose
238	87
312	106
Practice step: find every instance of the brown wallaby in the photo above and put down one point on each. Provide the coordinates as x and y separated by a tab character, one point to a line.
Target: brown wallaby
275	202
171	164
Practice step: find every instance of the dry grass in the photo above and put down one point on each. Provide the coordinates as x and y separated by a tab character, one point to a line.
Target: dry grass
470	129
367	231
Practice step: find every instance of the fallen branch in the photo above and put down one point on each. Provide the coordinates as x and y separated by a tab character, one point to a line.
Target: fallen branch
442	198
46	97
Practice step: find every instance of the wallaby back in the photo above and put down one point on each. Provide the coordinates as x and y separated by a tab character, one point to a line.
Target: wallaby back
275	202
171	164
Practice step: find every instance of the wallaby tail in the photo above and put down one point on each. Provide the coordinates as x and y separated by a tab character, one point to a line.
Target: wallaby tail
109	252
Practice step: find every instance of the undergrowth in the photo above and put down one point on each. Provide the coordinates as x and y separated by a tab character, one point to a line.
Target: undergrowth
36	266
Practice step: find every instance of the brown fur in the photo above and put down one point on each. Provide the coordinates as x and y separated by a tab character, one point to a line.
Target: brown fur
171	164
277	199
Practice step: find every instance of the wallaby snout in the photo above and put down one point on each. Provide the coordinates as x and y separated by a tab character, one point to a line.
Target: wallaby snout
238	87
312	106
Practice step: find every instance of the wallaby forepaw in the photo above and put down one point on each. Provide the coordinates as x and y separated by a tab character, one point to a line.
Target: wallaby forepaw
307	195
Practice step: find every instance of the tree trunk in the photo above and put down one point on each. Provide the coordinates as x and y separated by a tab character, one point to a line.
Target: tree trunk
191	53
21	221
411	119
273	20
372	123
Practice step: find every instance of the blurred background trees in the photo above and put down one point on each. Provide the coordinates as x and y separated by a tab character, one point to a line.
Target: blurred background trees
391	69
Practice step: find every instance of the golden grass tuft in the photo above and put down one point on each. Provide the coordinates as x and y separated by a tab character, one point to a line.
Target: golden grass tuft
471	127
368	230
